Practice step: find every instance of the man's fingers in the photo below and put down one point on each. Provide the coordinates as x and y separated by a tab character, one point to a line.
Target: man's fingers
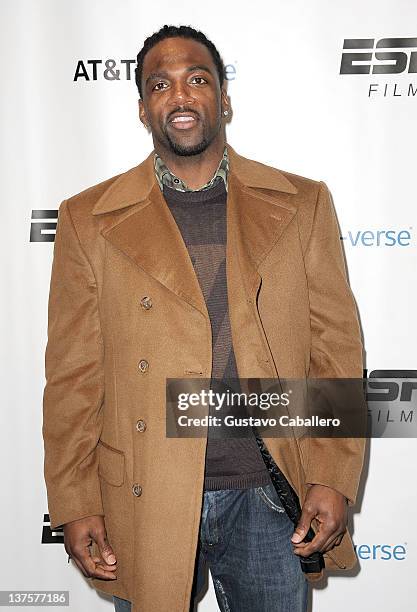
90	567
339	539
303	525
104	547
105	566
329	508
79	535
332	542
308	548
327	533
80	566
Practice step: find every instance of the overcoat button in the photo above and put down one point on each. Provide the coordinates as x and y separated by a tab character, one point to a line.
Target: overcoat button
143	365
137	490
140	425
146	302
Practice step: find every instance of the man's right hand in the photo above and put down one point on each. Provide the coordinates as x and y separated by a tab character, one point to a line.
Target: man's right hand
79	535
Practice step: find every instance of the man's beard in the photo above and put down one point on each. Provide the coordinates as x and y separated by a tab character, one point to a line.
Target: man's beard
189	150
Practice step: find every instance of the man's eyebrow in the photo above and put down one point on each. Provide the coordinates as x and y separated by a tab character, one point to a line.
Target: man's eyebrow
199	67
156	75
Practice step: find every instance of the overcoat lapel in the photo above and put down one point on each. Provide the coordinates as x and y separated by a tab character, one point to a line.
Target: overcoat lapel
256	221
150	237
140	224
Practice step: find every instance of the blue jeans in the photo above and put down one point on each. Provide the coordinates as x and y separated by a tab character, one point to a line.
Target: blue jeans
245	541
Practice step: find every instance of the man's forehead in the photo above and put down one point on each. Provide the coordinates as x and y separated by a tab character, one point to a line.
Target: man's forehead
172	51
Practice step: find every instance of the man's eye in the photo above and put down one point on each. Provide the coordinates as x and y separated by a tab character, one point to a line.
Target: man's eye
157	85
200	79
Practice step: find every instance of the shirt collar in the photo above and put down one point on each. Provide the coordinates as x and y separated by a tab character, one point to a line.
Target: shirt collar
165	177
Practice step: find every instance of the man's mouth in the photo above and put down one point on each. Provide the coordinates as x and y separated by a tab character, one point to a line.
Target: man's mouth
183	122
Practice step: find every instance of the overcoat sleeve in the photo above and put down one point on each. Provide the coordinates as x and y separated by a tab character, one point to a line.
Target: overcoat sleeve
74	391
336	346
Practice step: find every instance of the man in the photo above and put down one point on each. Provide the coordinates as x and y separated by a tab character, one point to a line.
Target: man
196	263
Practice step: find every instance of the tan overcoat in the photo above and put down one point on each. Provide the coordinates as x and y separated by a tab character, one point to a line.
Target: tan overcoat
110	351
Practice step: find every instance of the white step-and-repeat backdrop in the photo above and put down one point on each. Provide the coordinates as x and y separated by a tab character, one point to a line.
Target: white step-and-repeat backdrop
323	89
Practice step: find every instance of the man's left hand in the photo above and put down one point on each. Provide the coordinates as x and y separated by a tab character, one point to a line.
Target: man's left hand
329	508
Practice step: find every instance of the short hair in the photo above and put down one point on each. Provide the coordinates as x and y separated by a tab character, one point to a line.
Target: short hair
170	31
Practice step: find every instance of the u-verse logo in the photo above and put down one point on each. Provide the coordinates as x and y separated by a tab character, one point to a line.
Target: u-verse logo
121	70
378	237
381	552
382	57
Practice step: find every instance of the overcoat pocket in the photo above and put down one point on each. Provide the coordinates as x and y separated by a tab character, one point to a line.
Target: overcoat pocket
111	464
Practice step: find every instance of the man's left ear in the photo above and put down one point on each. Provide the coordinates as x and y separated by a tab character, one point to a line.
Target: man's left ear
225	103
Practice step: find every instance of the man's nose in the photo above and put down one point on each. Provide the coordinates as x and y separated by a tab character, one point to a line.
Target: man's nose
181	94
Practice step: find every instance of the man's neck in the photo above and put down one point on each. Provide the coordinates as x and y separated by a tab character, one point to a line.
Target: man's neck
194	170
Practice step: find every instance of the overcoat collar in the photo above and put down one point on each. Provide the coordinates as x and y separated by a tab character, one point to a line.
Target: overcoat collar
135	185
137	221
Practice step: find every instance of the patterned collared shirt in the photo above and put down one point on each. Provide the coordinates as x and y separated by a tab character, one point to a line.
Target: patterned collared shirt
165	177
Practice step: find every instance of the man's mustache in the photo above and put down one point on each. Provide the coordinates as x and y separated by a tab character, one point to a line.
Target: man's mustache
182	110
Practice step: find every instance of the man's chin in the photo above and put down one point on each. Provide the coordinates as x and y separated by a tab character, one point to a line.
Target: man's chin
187	149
